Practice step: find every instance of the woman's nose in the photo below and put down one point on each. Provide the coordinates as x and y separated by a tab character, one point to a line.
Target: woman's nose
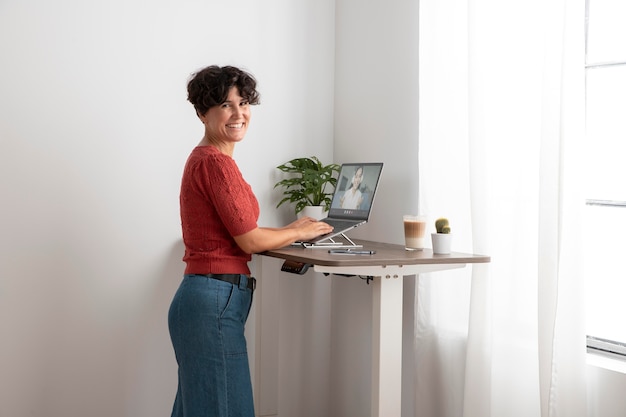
239	112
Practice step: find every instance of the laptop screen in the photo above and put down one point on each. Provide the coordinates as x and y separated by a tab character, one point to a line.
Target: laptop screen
355	190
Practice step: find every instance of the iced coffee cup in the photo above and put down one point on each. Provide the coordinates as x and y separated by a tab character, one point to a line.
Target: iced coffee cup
414	232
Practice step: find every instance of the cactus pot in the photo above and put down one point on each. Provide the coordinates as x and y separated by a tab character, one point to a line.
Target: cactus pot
441	243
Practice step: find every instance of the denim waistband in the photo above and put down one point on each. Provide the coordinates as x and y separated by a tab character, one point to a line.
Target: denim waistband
234	279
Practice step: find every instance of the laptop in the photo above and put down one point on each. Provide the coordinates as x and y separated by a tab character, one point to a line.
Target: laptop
352	199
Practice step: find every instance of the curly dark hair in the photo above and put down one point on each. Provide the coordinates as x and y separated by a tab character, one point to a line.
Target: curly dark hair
209	87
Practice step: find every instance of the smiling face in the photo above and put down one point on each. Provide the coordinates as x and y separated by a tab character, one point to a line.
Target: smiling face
227	123
357	178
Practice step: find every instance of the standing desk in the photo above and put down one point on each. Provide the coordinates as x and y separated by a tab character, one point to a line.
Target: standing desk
387	266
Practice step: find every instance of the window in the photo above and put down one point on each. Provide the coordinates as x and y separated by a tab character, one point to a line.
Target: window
605	171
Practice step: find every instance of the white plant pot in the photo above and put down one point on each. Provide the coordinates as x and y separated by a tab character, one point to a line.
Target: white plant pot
441	243
317	212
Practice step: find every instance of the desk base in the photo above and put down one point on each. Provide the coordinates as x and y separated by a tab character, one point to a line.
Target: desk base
386	329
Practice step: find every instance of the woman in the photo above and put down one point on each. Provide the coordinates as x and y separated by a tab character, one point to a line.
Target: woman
352	197
219	215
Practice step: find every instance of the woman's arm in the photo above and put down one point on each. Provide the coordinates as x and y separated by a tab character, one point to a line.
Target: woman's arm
266	238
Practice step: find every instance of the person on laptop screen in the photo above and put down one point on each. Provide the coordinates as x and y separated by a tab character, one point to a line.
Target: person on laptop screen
352	197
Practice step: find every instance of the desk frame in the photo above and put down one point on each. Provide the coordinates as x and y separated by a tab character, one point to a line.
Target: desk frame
388	267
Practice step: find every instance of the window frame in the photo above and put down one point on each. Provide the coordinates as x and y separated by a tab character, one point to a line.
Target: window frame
594	343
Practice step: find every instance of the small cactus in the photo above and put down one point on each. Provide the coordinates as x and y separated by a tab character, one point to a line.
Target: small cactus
442	225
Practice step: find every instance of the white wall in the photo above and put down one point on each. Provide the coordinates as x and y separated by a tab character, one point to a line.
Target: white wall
94	132
376	119
605	388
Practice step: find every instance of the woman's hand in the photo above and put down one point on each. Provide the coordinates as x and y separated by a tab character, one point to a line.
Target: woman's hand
309	228
300	222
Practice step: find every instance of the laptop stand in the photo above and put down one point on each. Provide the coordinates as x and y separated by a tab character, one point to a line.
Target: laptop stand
332	243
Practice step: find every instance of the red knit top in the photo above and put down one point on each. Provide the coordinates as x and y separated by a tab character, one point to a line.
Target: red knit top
216	203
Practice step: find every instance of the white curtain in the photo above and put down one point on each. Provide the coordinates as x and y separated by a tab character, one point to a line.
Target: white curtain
501	120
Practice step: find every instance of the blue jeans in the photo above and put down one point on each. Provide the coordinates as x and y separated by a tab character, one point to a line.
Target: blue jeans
206	323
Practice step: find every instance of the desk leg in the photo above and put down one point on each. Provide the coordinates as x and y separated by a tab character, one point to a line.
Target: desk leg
387	346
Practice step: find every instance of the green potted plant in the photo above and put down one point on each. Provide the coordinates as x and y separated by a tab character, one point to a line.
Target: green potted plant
311	184
442	240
